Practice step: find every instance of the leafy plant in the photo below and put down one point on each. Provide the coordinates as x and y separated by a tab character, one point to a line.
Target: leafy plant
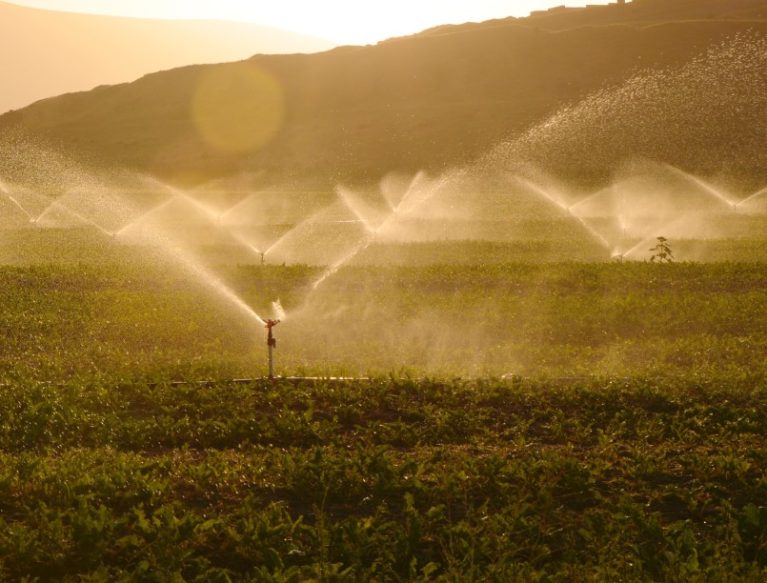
662	253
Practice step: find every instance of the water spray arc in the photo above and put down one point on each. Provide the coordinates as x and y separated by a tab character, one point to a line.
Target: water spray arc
750	199
18	205
381	221
215	217
68	210
158	237
176	251
359	209
9	194
209	214
556	201
704	186
405	205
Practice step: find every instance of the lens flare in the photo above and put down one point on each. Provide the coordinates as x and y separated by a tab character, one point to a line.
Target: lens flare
238	108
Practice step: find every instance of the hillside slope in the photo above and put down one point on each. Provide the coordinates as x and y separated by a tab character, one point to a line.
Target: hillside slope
428	101
45	53
636	12
652	11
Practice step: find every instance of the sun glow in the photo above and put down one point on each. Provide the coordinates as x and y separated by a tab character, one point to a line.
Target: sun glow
341	21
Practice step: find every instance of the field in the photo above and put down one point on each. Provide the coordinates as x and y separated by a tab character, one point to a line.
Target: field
516	273
388	480
521	421
115	313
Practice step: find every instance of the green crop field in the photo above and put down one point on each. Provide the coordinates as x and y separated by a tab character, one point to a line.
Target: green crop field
386	480
481	303
522	421
117	313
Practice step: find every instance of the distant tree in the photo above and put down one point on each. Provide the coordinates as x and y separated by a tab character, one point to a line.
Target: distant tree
662	253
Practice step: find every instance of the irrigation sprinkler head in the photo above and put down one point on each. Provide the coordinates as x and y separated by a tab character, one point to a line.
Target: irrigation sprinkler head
271	343
269	324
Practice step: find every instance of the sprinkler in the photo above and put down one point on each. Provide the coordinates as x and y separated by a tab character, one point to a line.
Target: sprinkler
271	342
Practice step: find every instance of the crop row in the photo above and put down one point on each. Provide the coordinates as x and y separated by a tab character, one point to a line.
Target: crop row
136	323
385	480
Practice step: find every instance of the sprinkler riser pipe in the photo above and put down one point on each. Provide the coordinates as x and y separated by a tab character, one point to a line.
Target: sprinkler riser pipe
271	343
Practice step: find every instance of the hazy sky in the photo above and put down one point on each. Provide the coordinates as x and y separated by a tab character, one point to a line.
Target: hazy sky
341	21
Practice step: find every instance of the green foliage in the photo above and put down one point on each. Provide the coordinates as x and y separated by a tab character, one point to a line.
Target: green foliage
642	479
134	322
109	472
662	251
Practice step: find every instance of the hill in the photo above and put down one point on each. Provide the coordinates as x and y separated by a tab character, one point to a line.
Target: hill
637	12
45	53
651	11
443	98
